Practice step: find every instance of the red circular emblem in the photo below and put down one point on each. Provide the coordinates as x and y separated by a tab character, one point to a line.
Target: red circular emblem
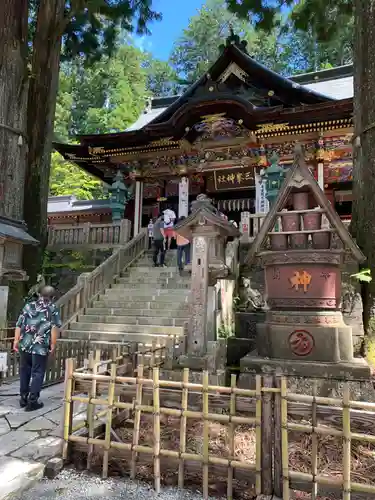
301	342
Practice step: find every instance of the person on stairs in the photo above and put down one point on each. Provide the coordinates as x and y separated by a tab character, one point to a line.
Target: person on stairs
35	339
183	249
169	220
159	242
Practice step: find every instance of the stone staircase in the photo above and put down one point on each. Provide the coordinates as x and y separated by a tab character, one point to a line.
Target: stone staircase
145	304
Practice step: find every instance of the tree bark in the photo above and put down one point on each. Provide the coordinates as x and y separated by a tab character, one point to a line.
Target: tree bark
363	220
13	105
13	112
40	117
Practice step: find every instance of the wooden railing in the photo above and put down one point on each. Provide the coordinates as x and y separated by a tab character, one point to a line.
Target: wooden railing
89	235
90	285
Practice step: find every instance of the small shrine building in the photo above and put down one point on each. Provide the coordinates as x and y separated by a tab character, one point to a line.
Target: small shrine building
219	135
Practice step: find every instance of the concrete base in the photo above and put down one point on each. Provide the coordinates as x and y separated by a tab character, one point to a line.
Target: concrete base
357	369
321	343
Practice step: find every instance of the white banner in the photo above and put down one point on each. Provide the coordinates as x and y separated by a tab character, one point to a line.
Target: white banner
183	197
261	203
245	225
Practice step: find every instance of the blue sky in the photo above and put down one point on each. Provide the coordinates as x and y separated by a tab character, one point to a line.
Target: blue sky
176	15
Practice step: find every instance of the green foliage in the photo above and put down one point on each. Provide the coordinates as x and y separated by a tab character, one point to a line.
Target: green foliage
94	25
364	276
326	18
68	179
198	47
162	79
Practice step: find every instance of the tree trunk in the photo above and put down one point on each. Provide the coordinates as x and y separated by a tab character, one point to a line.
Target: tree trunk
13	105
13	109
41	112
363	221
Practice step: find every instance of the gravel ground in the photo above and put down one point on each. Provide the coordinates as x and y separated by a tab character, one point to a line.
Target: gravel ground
72	485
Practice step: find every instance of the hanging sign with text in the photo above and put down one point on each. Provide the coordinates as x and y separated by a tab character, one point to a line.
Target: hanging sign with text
233	178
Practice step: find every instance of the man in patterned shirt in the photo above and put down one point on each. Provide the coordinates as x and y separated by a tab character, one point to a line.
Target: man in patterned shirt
36	335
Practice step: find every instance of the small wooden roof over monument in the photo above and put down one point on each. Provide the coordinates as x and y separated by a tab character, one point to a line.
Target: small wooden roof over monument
299	178
204	213
241	93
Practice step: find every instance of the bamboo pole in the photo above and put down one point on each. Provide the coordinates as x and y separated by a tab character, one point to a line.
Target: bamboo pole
148	450
174	412
314	443
258	433
68	406
284	438
205	434
231	433
137	421
267	445
93	360
346	457
278	470
173	384
108	427
156	431
183	422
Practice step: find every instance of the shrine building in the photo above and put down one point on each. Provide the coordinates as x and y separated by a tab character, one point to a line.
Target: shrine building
219	135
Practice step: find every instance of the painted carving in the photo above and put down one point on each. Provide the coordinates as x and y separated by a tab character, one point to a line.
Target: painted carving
301	342
276	273
300	279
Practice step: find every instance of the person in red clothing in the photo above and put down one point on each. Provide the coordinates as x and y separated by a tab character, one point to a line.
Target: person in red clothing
183	249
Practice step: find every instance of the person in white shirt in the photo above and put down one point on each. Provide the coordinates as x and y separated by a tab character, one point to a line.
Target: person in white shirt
150	230
169	220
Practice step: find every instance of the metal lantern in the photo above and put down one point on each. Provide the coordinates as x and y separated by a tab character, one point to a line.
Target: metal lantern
118	197
274	176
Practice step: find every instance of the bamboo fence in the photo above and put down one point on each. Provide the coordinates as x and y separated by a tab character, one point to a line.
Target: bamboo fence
269	407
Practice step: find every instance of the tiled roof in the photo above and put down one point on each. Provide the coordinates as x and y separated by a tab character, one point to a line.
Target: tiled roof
336	83
58	204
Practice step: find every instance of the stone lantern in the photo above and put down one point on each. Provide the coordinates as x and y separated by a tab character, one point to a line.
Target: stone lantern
274	176
208	231
13	236
118	197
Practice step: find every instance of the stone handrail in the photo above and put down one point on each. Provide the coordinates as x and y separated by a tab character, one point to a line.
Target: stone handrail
89	235
90	285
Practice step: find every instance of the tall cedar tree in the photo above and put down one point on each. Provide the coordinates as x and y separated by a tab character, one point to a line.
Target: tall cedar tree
326	18
57	28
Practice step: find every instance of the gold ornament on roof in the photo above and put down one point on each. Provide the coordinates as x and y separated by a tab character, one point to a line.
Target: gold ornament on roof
96	151
266	128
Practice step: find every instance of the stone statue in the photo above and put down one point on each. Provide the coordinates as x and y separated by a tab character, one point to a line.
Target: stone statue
251	299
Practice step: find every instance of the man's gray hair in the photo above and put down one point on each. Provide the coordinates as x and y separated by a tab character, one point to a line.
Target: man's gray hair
47	292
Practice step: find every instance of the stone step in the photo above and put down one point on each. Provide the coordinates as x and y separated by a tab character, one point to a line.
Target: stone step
127	303
132	320
149	297
146	290
162	272
151	279
118	337
110	327
124	283
181	313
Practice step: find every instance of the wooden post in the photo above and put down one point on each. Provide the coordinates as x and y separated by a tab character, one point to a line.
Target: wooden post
156	392
184	406
68	406
93	360
231	433
267	431
346	456
278	471
258	439
314	443
206	428
137	420
108	427
284	438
